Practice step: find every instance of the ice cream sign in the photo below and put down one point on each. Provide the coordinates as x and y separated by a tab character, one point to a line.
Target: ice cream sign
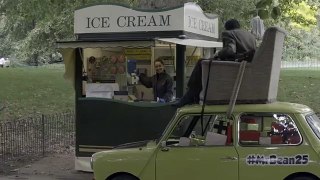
128	21
118	19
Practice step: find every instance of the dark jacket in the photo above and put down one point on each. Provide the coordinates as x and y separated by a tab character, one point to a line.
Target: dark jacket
161	83
235	43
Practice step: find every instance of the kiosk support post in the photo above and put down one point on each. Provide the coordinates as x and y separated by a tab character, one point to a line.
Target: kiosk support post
78	90
78	73
180	62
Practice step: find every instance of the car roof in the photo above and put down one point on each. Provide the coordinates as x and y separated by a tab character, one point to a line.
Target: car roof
283	107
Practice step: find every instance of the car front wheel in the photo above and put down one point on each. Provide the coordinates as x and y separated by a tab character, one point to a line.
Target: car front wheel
303	178
124	177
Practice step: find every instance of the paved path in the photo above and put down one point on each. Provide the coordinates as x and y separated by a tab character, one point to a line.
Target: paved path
48	177
55	167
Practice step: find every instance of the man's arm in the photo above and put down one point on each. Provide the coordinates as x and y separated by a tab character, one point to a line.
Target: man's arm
229	46
146	81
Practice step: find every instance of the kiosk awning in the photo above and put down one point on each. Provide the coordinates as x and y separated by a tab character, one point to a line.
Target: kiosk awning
101	44
192	42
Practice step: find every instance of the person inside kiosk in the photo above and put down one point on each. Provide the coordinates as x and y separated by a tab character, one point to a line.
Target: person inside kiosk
161	83
238	45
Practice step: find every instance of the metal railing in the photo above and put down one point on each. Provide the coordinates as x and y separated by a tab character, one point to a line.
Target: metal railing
306	64
35	136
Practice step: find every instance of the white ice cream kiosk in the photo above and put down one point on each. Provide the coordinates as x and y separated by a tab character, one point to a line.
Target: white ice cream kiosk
114	41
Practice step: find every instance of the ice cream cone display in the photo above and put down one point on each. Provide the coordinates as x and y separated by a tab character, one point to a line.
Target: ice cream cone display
121	69
113	70
113	59
121	59
106	67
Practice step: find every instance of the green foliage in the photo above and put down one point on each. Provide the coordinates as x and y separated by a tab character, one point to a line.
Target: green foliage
302	12
296	16
302	45
302	15
267	9
297	12
263	3
276	12
242	10
31	28
263	13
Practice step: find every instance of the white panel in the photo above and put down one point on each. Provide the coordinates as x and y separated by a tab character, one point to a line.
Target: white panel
196	21
192	42
115	19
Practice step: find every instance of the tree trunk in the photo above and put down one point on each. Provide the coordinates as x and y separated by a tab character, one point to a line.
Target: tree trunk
35	59
160	4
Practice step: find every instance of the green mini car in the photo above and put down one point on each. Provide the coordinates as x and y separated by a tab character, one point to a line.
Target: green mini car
258	141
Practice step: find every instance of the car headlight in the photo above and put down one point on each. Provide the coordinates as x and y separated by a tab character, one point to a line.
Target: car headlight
91	162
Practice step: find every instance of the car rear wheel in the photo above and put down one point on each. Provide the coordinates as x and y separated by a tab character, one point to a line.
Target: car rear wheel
124	177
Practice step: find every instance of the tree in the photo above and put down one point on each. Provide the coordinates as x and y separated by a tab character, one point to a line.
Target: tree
160	4
31	28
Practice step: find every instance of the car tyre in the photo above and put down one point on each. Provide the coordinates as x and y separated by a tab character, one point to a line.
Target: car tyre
303	178
124	177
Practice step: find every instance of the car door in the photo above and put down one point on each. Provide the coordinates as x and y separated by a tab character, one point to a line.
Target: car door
198	149
270	145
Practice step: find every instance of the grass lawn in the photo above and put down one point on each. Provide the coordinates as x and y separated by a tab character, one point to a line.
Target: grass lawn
28	91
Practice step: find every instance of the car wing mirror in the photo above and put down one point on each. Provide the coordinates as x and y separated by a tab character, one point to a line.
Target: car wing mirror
164	147
163	143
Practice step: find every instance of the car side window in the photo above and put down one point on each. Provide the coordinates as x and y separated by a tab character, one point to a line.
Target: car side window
209	130
268	129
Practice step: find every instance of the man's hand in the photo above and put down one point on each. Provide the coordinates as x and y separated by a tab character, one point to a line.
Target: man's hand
161	100
215	56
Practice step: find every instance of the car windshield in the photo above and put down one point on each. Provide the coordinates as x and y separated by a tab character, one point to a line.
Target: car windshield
314	122
167	127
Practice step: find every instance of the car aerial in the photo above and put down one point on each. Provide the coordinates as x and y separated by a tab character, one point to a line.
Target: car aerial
276	140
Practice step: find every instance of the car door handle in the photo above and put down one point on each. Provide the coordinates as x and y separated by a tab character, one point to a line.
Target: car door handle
165	149
229	158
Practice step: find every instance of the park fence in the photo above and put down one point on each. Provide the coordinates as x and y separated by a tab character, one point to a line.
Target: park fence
36	136
305	64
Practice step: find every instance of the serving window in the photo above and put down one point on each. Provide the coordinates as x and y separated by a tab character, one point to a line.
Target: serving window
110	71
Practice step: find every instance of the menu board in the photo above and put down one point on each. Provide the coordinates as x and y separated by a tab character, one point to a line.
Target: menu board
106	68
